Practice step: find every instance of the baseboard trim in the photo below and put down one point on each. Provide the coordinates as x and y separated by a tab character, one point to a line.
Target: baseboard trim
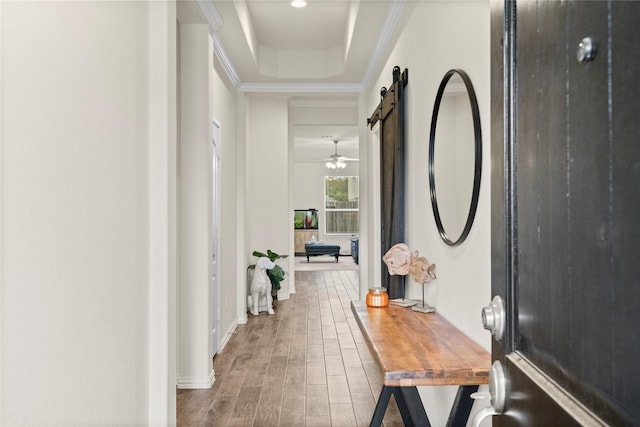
227	336
242	320
283	296
196	382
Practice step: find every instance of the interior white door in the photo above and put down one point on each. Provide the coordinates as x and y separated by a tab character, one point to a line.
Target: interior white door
215	239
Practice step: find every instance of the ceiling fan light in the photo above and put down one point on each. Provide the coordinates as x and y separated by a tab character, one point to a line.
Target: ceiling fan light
298	3
336	162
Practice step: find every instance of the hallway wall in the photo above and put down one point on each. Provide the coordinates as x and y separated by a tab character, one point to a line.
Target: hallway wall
88	124
195	297
266	191
435	37
224	109
205	95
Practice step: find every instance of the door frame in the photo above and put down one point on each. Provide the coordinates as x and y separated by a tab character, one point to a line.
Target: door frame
214	256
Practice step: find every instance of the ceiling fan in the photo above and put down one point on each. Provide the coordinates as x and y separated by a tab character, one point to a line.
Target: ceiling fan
337	161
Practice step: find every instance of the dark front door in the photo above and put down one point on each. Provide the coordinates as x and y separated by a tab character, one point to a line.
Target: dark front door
566	210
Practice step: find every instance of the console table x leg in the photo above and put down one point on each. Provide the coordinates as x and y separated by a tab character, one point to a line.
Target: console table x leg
461	406
412	410
409	405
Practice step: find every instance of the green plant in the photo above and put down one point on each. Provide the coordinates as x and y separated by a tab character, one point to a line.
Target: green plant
276	274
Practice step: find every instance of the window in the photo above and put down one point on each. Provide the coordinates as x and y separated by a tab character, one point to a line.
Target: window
341	204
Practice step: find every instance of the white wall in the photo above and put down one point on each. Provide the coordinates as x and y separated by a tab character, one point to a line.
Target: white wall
243	238
162	214
194	296
78	339
369	241
224	110
269	221
199	108
436	37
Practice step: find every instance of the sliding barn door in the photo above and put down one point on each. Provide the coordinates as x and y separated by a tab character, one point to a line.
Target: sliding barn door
390	113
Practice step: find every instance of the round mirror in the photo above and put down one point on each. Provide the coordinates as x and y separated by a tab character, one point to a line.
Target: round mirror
455	157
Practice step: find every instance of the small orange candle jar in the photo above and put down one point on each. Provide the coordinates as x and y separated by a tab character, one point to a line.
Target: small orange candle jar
377	297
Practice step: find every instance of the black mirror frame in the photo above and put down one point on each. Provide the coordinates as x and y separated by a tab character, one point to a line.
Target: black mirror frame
475	194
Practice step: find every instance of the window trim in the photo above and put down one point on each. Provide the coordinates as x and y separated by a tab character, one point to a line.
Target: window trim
325	209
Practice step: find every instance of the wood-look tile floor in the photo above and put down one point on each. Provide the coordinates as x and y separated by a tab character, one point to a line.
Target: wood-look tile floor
306	365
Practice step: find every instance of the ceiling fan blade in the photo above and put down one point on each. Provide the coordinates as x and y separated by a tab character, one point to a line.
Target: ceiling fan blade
341	158
338	157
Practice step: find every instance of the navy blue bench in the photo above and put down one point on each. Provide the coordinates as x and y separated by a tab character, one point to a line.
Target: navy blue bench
317	248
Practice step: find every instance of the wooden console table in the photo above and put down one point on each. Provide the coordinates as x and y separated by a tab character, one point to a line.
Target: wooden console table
417	349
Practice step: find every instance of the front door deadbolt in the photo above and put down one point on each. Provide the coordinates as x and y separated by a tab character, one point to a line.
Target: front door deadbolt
493	317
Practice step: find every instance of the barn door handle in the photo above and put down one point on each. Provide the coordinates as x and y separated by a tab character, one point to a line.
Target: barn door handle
497	394
493	317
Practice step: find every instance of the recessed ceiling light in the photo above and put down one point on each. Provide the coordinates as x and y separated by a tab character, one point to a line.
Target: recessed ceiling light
298	3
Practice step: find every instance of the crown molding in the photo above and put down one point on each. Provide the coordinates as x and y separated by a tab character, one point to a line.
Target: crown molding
301	87
390	24
211	14
215	22
222	56
323	103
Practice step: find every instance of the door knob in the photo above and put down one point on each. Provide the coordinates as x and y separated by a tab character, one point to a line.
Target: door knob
493	317
497	394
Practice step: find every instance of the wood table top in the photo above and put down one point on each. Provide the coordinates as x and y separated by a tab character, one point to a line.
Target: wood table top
420	349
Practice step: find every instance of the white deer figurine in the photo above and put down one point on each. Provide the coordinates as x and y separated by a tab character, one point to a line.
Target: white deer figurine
260	298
